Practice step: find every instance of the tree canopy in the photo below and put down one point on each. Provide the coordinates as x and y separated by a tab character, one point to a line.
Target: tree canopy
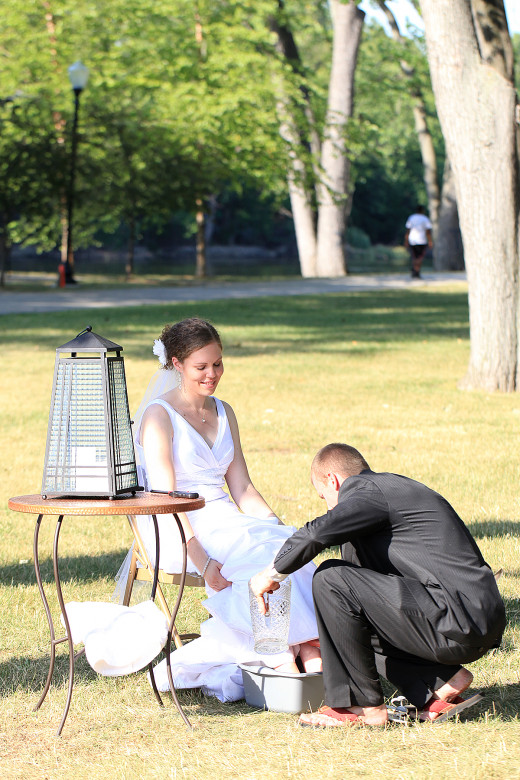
181	106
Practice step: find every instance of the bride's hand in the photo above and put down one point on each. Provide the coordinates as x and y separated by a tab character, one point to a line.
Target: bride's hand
214	578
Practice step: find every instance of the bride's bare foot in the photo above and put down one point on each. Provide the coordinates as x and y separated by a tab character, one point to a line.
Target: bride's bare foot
311	657
447	692
289	668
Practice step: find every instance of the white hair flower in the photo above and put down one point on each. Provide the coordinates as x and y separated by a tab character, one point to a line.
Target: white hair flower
160	350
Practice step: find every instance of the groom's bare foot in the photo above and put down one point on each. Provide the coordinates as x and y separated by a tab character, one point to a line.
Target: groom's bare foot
449	691
311	657
372	716
455	686
330	717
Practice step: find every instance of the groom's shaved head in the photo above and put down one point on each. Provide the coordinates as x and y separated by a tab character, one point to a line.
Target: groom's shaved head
339	459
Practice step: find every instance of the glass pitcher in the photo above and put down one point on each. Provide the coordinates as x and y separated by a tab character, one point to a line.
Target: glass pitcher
271	631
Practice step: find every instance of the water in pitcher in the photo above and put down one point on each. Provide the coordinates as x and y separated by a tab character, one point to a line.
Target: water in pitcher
271	631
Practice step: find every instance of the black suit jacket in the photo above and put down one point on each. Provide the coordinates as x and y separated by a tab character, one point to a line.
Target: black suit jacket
399	527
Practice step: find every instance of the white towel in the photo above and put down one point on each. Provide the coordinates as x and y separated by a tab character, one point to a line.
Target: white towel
118	640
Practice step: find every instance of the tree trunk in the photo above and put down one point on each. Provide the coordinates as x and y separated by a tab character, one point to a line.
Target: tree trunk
333	189
448	252
301	197
429	158
286	45
442	207
429	161
129	267
209	229
472	79
303	215
321	241
5	249
210	218
64	242
200	263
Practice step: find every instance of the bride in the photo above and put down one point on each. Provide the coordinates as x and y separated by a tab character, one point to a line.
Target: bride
186	439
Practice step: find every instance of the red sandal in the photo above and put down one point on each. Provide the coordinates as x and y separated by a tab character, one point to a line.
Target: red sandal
447	709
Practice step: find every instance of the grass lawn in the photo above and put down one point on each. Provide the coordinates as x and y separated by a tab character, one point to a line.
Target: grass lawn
378	370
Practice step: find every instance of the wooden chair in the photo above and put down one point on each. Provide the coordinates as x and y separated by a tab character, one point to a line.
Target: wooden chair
142	569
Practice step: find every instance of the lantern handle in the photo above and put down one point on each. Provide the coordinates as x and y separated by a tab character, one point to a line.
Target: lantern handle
88	329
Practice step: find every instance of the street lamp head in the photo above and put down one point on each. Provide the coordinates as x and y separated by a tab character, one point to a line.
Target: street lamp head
78	75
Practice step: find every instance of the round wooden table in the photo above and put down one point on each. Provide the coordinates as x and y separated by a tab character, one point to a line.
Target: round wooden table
141	504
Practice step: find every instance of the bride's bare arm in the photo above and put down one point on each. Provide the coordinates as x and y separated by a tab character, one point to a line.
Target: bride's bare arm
242	490
157	441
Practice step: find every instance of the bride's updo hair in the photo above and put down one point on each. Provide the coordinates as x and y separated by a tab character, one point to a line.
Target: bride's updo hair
187	336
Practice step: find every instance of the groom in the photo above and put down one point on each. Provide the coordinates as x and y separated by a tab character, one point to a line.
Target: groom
411	599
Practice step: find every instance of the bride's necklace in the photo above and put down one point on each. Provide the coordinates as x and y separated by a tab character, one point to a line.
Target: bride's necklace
202	412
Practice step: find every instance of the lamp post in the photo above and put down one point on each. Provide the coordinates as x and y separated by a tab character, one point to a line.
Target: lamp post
78	75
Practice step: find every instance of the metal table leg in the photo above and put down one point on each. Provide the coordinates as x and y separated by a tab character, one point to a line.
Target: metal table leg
174	615
47	612
54	641
67	624
154	590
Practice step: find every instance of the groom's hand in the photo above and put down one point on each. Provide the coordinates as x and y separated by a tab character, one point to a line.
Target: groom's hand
262	583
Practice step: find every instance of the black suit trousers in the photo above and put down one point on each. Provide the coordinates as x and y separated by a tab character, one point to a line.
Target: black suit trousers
370	625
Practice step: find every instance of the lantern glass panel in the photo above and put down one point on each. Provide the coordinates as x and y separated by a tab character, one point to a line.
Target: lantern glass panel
77	456
124	459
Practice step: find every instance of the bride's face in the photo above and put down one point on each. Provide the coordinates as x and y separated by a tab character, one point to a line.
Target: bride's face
201	371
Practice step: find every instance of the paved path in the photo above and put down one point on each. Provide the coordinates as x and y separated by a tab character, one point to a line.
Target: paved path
76	298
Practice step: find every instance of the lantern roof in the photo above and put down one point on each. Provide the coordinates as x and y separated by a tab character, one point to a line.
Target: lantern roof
88	341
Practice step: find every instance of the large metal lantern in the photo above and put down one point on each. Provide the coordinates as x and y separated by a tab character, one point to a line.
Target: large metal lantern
90	450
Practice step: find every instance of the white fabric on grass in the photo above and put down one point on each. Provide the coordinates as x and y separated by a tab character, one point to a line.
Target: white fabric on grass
118	640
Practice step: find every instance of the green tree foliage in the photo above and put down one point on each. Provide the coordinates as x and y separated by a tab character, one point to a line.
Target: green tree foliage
31	168
169	116
181	109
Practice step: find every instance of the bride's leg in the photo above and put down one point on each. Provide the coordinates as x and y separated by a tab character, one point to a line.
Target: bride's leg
311	657
290	667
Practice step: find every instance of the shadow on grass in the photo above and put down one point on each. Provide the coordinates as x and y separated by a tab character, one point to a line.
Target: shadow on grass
494	529
512	613
267	325
80	568
511	572
501	700
29	673
497	700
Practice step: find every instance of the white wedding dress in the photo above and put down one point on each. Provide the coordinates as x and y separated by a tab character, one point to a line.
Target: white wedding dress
244	545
